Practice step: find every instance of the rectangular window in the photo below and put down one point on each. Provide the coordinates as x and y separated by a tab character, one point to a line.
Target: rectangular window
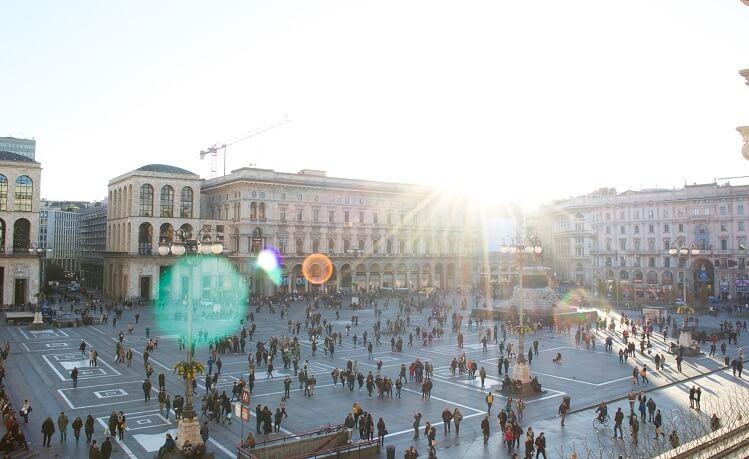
651	262
415	220
403	219
346	216
299	215
707	211
722	210
667	262
637	229
741	226
651	229
331	216
636	243
374	218
666	228
375	246
651	244
666	244
622	230
361	217
608	229
723	244
742	263
681	227
282	211
299	196
389	246
390	220
622	244
621	215
608	216
316	215
723	227
740	209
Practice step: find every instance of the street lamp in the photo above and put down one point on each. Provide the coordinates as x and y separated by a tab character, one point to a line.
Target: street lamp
191	249
521	252
685	336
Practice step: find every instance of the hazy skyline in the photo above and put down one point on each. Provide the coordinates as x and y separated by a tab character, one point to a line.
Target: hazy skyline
530	101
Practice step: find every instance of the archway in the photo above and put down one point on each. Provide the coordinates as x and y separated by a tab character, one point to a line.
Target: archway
374	277
426	275
361	276
388	276
283	287
413	277
346	279
439	278
297	279
166	233
21	236
400	276
331	285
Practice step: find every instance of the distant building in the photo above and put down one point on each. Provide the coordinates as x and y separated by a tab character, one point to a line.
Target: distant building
23	147
92	240
20	177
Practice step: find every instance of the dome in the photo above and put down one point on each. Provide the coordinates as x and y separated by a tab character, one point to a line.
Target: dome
164	169
8	156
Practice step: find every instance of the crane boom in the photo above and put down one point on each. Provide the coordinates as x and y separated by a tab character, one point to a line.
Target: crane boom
214	149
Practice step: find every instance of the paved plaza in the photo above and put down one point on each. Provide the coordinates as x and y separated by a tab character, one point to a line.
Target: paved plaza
40	361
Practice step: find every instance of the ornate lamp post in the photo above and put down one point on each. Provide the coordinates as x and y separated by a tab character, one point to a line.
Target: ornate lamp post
191	249
685	336
521	371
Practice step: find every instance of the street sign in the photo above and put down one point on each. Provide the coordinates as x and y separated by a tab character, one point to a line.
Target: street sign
245	413
245	397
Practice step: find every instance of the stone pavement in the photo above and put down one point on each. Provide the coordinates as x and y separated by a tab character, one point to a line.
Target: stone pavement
40	361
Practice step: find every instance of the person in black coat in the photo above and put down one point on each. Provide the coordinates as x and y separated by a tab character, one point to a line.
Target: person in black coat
89	428
106	449
48	429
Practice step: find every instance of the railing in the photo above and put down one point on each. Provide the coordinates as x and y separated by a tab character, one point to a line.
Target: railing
335	452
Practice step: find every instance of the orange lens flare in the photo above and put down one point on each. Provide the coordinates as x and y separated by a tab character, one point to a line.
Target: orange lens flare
317	268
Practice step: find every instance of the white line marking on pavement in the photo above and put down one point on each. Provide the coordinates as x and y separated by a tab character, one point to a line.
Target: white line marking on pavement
72	407
103	333
446	401
151	359
435	424
53	368
24	333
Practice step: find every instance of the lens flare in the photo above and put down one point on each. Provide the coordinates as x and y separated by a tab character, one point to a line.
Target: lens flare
267	260
212	287
317	268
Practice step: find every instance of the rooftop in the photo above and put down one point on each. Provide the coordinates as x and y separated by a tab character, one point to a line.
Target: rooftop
8	156
164	169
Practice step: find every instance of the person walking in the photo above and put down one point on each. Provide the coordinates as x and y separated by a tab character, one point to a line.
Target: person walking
541	445
25	411
62	424
618	419
74	377
485	429
121	426
457	418
77	426
381	431
89	429
106	449
657	422
93	451
489	402
416	423
48	429
447	416
562	412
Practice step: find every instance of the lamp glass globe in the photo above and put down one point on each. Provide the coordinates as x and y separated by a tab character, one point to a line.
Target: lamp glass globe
163	250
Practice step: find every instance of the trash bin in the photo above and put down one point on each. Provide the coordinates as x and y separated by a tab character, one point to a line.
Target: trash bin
390	451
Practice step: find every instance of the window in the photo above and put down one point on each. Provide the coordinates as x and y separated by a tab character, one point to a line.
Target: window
741	226
375	246
740	209
650	214
608	245
3	194
622	230
299	247
146	201
608	229
695	211
637	229
167	201
253	211
331	245
403	220
374	218
681	227
331	216
415	220
261	211
622	244
361	217
608	261
346	245
283	196
666	228
346	217
299	197
621	215
299	215
24	194
636	243
315	246
666	244
651	244
315	217
317	198
390	220
651	262
722	210
723	227
185	203
282	212
742	263
401	246
651	228
667	262
361	245
281	246
389	247
707	211
608	216
723	244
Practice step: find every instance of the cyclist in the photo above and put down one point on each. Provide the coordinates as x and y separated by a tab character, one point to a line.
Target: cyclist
602	411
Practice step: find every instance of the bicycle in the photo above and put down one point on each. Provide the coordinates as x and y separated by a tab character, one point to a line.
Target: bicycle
598	422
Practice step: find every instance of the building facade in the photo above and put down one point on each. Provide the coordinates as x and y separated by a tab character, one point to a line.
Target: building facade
376	234
20	178
58	235
23	147
620	242
92	237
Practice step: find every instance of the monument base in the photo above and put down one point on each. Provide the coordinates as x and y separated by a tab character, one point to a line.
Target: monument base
188	430
38	322
519	383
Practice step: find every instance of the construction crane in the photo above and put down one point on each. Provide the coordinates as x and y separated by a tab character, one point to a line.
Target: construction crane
214	149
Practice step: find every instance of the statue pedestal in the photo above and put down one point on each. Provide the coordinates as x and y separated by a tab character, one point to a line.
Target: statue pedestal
521	372
685	340
188	430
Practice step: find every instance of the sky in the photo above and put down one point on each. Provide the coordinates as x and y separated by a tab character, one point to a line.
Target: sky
511	100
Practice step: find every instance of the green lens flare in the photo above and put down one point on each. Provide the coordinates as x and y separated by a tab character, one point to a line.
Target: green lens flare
214	289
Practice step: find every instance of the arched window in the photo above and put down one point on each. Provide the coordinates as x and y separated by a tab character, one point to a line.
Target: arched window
299	247
3	192
167	201
21	235
261	210
146	201
623	275
638	277
331	245
186	230
652	277
256	244
253	211
185	203
24	194
166	233
667	278
145	238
